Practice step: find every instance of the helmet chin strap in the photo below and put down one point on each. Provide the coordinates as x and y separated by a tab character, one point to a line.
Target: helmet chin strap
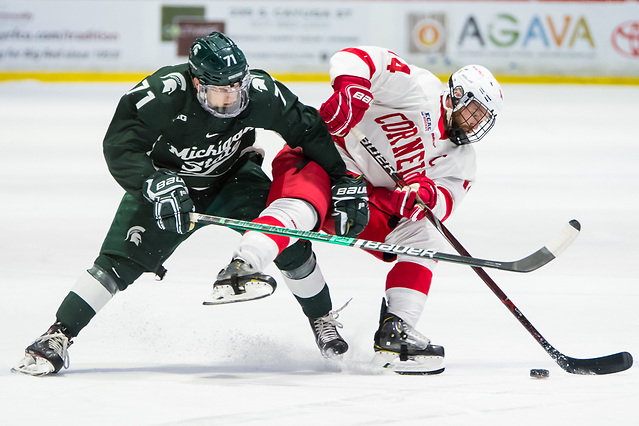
448	120
455	134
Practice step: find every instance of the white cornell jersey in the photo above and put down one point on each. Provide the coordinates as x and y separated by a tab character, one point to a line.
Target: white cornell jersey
405	123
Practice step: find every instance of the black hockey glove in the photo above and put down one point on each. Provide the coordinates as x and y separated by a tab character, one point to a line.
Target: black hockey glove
168	192
350	206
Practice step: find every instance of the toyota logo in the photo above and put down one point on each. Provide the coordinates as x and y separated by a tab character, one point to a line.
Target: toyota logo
625	39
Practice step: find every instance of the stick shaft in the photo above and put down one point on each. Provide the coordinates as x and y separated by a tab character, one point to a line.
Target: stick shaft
355	242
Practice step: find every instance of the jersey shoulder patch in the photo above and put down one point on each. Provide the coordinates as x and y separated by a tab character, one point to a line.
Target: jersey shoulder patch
264	84
173	81
167	81
261	81
161	95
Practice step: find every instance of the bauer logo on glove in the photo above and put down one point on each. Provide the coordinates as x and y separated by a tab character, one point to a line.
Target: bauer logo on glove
350	206
170	196
347	105
353	190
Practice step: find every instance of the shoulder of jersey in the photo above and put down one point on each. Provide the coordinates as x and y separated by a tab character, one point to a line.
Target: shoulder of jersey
427	78
171	81
261	82
162	94
426	85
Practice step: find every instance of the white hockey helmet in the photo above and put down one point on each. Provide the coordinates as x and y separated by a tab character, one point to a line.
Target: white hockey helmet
474	89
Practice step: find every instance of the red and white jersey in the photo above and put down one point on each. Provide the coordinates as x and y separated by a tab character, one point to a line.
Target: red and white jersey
405	123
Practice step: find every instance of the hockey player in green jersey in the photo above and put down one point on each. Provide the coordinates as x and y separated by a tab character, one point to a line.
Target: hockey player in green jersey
182	141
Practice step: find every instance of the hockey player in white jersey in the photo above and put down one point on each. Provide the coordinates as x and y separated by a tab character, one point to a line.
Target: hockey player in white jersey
426	134
424	130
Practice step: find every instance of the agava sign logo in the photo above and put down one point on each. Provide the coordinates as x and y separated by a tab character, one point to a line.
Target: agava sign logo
544	32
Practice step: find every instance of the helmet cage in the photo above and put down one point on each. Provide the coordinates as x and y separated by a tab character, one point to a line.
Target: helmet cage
483	117
476	99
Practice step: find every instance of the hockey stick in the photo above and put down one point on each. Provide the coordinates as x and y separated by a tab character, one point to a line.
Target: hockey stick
602	365
527	264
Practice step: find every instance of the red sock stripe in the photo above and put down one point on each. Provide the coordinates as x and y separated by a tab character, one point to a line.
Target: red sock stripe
281	241
409	275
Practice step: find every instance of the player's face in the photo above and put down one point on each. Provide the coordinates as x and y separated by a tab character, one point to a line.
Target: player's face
222	96
223	101
470	117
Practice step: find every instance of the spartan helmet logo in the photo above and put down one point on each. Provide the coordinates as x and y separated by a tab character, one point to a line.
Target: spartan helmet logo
134	234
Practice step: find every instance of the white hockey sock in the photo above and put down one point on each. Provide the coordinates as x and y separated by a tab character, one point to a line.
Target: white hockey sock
406	303
305	281
258	249
94	292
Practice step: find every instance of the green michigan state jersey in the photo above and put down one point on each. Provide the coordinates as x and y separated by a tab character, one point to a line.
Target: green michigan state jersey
160	124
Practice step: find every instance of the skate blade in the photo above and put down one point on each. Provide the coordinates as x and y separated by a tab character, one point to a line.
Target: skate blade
223	294
33	366
414	365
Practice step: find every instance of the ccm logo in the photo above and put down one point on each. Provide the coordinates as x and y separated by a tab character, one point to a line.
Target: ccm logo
351	191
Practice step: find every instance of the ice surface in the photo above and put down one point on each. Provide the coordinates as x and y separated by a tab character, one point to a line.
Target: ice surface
155	356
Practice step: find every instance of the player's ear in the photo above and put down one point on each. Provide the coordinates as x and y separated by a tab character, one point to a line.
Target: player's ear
448	103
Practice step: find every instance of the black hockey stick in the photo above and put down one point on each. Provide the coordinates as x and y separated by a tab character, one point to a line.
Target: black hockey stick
602	365
527	264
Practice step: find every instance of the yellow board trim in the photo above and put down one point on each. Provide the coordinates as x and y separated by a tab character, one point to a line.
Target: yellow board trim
133	77
72	77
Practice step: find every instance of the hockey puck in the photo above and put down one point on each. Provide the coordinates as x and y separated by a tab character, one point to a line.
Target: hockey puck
539	373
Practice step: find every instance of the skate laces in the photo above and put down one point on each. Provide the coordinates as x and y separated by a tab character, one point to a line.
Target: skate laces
326	325
57	342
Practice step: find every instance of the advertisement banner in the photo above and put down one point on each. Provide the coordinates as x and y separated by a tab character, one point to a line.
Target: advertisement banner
523	38
528	38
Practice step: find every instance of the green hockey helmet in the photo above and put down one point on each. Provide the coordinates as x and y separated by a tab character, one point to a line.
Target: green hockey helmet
223	75
216	60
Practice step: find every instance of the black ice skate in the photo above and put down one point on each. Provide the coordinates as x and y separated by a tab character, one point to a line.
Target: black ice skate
239	282
402	349
47	354
328	339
